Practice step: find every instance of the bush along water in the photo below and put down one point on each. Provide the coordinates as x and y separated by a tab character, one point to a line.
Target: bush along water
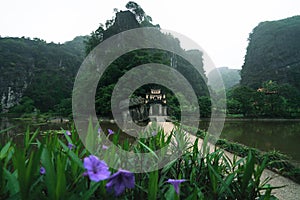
277	161
57	166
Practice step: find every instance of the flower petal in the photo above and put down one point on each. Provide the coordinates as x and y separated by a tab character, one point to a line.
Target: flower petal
129	180
98	176
110	132
87	163
175	183
119	188
42	170
120	180
68	133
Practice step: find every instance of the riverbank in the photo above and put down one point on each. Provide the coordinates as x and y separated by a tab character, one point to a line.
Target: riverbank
57	166
291	191
251	119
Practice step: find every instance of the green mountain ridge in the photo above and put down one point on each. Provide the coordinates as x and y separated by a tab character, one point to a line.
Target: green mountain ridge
273	53
40	76
42	72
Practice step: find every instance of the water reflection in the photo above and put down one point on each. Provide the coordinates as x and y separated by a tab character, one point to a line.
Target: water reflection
17	127
266	135
283	136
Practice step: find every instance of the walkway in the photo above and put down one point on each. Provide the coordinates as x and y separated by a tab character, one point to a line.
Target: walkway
290	192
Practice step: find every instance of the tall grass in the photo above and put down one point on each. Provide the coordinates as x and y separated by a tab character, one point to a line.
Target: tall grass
207	175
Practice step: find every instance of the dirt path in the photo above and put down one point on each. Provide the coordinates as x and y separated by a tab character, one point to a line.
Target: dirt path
290	192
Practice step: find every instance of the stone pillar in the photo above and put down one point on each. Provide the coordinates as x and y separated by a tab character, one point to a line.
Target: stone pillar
150	110
165	111
159	109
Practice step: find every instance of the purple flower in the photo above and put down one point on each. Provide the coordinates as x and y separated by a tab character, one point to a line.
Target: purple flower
85	173
154	133
120	180
68	133
99	130
175	183
97	170
110	132
42	170
104	147
71	146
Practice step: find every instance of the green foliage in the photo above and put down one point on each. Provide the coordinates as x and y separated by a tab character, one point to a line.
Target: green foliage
243	98
173	107
137	10
277	161
271	100
208	175
26	105
153	185
133	18
40	75
273	53
64	108
205	106
48	70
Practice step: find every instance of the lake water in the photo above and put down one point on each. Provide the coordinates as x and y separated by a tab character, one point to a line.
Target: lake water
266	135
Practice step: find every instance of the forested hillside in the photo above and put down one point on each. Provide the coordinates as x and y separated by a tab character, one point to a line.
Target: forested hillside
39	76
136	17
270	75
273	54
36	75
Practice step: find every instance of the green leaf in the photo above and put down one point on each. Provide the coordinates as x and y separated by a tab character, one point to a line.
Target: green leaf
150	150
32	167
168	166
67	137
7	129
227	182
249	170
34	136
50	176
153	185
71	154
170	194
26	138
212	178
87	195
260	169
19	164
91	138
12	182
217	177
4	150
61	177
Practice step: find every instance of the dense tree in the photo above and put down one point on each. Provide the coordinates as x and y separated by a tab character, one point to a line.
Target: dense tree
271	100
243	97
205	106
137	10
274	104
135	17
26	105
273	53
44	72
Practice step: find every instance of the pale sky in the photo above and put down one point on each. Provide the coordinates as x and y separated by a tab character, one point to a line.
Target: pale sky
220	27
